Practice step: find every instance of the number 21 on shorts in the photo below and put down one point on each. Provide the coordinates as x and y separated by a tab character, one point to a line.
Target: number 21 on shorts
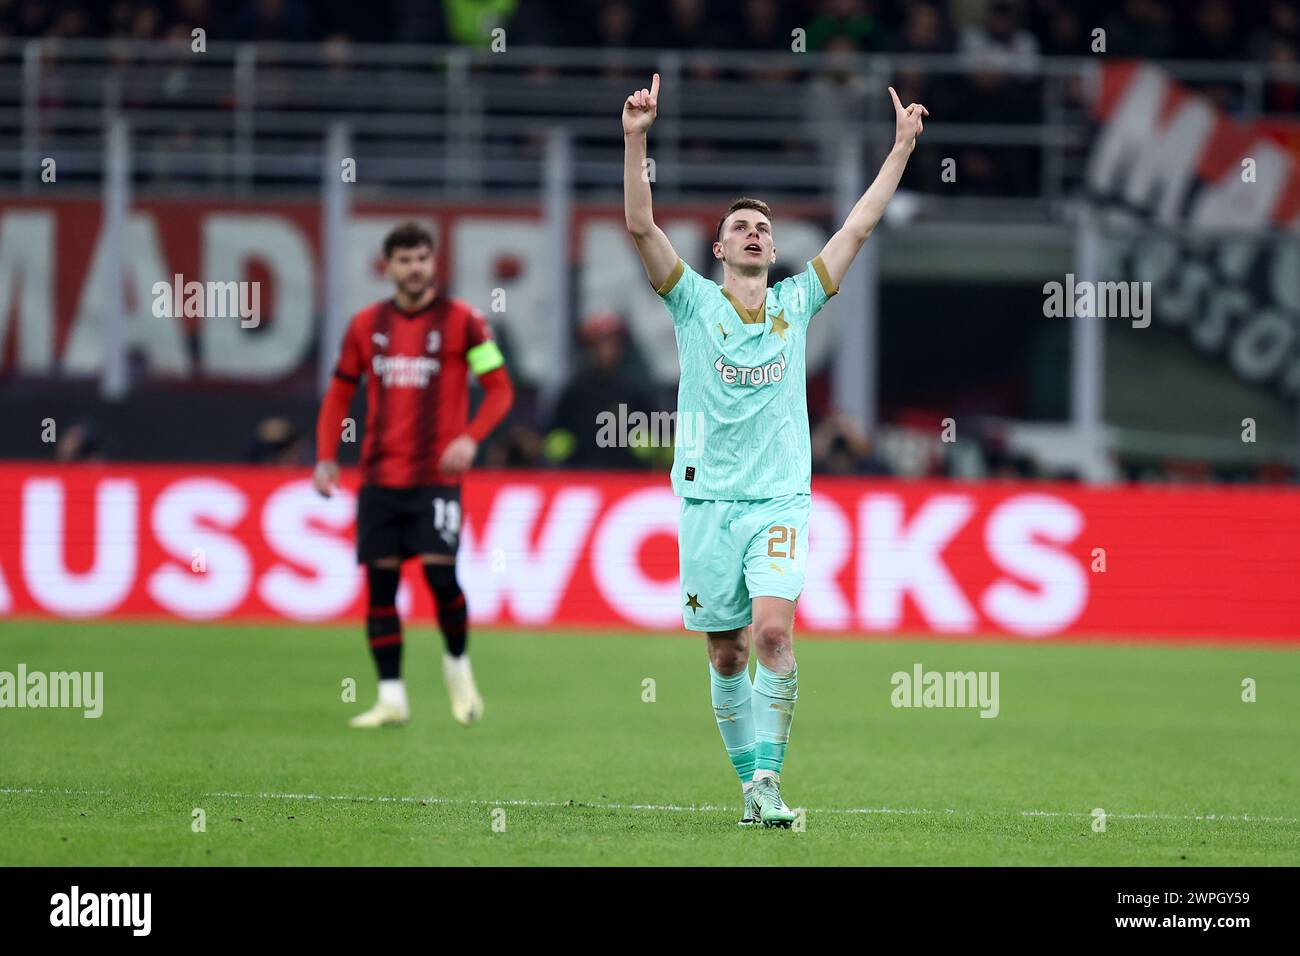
780	538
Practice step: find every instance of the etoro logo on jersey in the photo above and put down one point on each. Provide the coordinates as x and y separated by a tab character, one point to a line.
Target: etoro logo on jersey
743	375
404	371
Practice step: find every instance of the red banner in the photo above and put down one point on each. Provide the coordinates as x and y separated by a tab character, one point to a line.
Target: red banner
552	549
1174	154
55	266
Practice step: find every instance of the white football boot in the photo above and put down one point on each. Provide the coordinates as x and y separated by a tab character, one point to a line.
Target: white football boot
772	811
466	703
391	710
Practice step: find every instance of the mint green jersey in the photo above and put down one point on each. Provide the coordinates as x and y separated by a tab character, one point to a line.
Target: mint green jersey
742	403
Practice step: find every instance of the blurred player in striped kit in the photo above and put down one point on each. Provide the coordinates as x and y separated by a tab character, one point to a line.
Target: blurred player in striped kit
415	351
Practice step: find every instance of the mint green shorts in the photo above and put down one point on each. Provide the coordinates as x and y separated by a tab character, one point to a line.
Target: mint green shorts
734	551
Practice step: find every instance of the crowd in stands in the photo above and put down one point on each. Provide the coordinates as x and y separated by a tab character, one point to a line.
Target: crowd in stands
1014	30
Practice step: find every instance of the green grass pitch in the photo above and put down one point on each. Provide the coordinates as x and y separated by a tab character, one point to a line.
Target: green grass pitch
248	725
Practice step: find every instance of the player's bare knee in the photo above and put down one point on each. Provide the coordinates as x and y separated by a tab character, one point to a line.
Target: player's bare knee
773	642
730	664
729	651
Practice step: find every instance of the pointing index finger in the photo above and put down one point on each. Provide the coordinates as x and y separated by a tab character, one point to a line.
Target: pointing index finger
898	104
654	86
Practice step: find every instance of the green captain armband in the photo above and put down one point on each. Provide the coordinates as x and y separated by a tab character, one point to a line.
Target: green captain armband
484	358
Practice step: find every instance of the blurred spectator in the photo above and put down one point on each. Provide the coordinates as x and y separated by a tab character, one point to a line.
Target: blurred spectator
684	25
514	445
851	20
762	26
1144	29
1276	40
80	442
616	23
359	23
278	441
1214	33
600	386
838	94
1000	54
991	97
1002	45
762	29
1010	466
121	18
840	447
1059	29
1002	460
534	24
1275	473
68	23
196	13
282	21
678	25
616	26
1281	96
1187	471
925	30
1281	22
418	21
471	22
146	23
28	18
1011	32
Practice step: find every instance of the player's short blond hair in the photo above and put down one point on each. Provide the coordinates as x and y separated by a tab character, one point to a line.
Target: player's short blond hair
744	202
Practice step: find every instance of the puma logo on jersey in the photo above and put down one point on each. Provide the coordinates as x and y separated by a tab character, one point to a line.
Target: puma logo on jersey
380	339
759	375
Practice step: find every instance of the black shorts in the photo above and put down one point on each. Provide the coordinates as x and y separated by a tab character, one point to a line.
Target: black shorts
404	522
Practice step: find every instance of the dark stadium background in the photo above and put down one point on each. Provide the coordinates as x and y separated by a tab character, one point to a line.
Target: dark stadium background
1009	86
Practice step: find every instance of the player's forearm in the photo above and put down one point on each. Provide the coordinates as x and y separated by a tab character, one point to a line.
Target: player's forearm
329	424
866	214
498	396
638	208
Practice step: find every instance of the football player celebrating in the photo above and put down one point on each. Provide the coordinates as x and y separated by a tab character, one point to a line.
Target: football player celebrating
746	485
415	351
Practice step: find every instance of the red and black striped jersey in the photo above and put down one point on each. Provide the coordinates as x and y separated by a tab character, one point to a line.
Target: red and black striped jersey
416	367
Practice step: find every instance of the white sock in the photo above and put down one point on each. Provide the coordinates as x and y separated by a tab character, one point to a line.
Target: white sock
393	692
760	774
458	666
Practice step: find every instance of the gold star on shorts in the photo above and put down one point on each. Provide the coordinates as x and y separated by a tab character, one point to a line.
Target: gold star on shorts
692	602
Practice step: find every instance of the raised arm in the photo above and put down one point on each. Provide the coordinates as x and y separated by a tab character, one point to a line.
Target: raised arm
838	254
657	253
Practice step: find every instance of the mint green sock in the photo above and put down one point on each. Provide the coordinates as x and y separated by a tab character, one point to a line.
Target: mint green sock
774	697
732	706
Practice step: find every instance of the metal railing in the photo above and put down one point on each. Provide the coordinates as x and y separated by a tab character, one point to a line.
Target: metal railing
129	120
253	118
